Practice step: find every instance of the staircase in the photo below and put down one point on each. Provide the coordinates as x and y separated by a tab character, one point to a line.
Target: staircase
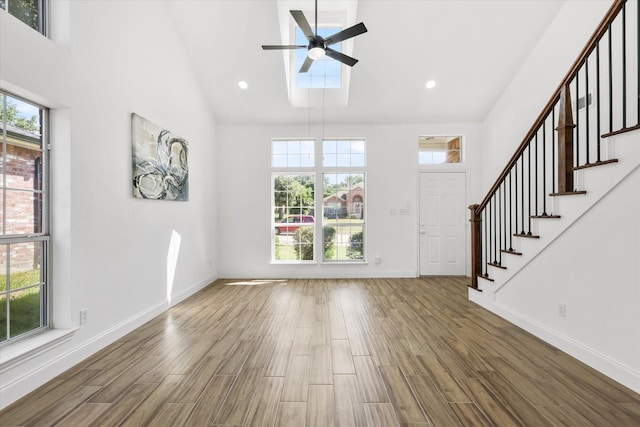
583	146
552	158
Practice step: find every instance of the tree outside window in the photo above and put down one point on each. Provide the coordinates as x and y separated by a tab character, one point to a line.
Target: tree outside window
28	11
23	242
293	217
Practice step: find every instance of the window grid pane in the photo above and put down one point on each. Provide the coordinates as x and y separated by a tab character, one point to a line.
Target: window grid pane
292	153
293	217
439	149
343	207
24	295
342	227
343	153
28	11
23	285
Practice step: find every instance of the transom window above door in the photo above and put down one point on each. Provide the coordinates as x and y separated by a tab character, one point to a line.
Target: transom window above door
434	150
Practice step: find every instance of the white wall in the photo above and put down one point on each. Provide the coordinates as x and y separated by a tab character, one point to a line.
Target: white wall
593	266
111	252
244	185
531	88
600	286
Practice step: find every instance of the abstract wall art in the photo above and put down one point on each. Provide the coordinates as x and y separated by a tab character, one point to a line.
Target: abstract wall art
160	169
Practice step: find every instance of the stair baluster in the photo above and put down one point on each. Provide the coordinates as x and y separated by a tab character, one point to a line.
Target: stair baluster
504	208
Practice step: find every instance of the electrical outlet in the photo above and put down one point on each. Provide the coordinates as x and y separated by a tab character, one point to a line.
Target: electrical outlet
84	316
377	260
562	310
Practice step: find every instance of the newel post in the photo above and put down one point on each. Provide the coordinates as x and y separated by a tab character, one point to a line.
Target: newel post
565	142
476	245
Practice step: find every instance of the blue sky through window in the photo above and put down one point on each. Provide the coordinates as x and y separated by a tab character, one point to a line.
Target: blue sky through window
324	73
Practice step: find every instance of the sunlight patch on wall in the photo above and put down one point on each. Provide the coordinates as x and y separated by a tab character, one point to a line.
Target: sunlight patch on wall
172	261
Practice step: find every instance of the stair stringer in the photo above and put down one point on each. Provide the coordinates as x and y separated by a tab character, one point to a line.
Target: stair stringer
598	182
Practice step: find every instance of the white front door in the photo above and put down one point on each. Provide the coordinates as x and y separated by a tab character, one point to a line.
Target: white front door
442	224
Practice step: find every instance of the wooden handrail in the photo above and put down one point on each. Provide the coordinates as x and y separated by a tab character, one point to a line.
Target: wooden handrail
590	46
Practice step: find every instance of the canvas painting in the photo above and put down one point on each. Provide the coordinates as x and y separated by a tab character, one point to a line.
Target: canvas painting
160	169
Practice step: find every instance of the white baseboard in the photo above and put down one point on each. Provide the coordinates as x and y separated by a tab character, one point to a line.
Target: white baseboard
618	372
55	364
345	274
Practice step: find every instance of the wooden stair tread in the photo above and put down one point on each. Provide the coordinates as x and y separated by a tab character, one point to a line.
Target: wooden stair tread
594	164
506	251
619	131
568	193
493	264
528	236
546	216
485	278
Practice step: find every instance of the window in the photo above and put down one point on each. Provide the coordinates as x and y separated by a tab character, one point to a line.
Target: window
343	216
31	12
23	219
292	153
343	199
343	153
439	149
341	202
325	72
293	219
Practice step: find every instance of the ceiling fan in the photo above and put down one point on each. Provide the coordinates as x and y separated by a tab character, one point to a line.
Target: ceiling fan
318	46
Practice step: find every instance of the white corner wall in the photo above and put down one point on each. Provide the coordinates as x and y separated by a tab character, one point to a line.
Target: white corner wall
594	270
244	188
124	259
593	266
531	88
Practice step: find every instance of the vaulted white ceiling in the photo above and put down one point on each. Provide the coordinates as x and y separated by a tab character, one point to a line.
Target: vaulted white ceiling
472	48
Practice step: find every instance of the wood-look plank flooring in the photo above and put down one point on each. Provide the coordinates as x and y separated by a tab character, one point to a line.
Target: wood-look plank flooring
353	352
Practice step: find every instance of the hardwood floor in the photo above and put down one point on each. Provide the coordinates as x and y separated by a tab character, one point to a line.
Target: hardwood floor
365	352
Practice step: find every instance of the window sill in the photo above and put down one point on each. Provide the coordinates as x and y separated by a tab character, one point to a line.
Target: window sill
21	351
293	262
345	263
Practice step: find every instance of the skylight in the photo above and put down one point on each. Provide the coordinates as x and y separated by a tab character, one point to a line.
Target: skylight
325	72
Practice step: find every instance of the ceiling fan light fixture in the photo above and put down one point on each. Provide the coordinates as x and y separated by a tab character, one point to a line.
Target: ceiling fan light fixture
316	53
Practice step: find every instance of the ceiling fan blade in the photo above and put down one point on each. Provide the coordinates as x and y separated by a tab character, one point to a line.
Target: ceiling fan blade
302	22
282	47
346	34
306	65
341	57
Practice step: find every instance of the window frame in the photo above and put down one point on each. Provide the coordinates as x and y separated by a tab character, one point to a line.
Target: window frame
318	171
292	172
43	237
338	169
43	13
343	171
460	150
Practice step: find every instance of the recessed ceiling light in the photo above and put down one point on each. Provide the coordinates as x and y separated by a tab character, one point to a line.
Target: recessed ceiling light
242	84
431	84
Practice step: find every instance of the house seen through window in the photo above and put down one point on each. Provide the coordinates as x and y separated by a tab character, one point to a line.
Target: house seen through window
303	219
23	222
